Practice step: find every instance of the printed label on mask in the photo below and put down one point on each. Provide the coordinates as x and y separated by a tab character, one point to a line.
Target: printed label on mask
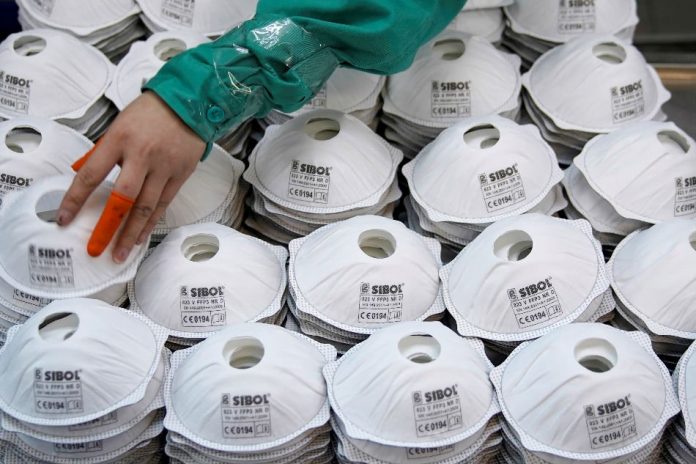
51	267
437	411
576	16
627	102
685	197
14	93
44	7
58	392
102	421
610	423
423	453
309	183
380	303
73	448
10	183
202	306
450	99
535	304
246	416
179	11
27	299
319	100
502	189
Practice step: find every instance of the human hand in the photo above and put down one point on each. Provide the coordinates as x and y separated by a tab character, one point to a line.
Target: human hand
157	152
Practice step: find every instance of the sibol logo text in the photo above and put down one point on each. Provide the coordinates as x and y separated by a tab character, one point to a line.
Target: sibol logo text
14	80
503	173
613	406
311	169
631	88
437	395
249	400
533	289
387	289
580	3
61	376
9	179
689	182
51	253
200	292
450	86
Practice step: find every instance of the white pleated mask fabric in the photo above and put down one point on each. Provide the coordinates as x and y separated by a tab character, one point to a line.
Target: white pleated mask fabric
206	276
323	162
615	166
365	273
413	384
50	74
143	61
560	21
598	211
481	170
524	276
653	273
79	16
347	90
209	17
595	84
77	360
685	379
604	388
210	188
488	23
43	259
34	148
255	373
454	76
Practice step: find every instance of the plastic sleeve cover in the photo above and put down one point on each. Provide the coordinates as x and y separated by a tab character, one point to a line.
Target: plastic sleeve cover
283	56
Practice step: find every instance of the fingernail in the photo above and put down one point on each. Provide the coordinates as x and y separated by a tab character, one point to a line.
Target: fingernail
120	255
63	218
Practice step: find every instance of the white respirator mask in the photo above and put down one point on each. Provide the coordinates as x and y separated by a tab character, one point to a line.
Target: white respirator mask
204	277
59	367
604	388
82	18
248	388
40	258
522	277
453	77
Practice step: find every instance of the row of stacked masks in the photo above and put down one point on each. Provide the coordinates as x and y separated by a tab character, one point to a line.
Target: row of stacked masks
341	333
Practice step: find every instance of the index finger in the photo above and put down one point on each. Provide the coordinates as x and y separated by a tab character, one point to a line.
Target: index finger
93	169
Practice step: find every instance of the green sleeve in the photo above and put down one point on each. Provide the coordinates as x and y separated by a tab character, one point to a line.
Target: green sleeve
283	56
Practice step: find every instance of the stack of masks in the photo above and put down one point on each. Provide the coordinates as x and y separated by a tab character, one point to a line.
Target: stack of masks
414	392
653	274
477	172
211	18
453	77
588	86
350	279
525	276
253	393
213	193
636	176
319	168
204	277
483	18
680	446
537	26
605	397
82	382
349	91
40	261
109	25
51	74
